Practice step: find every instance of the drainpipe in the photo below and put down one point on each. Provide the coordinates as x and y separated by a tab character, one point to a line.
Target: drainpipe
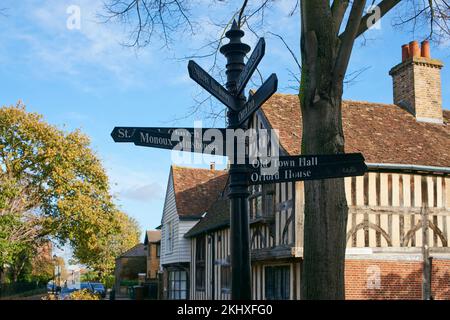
408	167
426	269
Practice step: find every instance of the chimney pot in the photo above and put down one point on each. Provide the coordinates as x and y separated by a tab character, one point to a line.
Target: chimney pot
212	166
414	50
426	49
417	83
405	52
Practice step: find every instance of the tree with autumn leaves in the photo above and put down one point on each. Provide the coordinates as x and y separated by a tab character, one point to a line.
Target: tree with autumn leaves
53	186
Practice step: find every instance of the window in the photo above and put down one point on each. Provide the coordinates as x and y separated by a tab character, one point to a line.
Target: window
268	191
177	285
255	201
262	201
225	277
158	250
200	272
277	282
169	237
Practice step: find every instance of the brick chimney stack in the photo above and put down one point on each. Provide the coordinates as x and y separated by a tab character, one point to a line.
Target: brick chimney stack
417	83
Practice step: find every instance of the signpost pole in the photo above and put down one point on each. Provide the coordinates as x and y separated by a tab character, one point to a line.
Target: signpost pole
238	193
294	168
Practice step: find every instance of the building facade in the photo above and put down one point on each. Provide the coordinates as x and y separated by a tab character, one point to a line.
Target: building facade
129	266
152	245
189	194
399	212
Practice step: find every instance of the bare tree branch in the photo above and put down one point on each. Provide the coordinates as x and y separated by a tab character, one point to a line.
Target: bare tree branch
150	17
338	9
430	15
385	6
347	39
241	12
294	56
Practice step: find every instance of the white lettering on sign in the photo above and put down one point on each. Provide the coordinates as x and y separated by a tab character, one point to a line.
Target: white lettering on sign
257	177
148	138
251	62
123	133
293	174
288	174
285	163
248	108
209	82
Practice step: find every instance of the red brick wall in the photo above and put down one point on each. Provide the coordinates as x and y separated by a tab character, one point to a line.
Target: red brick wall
375	279
440	279
382	279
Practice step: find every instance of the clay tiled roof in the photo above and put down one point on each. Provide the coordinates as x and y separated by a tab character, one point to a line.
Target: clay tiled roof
137	251
152	236
217	216
384	133
196	189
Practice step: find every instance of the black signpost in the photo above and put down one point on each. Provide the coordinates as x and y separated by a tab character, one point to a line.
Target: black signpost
267	89
211	85
299	168
287	168
189	139
250	67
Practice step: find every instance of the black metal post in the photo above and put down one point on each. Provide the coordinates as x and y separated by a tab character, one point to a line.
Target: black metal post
238	194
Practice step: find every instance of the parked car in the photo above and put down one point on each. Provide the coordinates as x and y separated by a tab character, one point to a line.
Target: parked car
86	285
52	287
99	289
65	293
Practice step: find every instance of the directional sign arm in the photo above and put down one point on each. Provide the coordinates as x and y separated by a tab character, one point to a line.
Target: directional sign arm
124	134
250	67
307	160
268	88
211	85
201	140
330	171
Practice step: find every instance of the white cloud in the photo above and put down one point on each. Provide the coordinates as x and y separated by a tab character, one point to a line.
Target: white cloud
148	192
93	49
129	182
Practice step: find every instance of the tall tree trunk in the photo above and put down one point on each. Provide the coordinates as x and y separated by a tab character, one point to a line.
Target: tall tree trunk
324	62
325	207
2	275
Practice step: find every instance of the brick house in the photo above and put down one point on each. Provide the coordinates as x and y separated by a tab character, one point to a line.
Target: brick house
128	266
399	212
152	245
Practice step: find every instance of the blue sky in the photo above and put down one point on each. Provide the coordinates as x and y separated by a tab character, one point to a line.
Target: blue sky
84	78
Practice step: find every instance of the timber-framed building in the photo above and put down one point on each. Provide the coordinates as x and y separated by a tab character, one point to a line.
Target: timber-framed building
399	211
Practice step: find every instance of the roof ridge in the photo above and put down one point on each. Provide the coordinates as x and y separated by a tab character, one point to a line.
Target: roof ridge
140	244
381	104
343	100
174	166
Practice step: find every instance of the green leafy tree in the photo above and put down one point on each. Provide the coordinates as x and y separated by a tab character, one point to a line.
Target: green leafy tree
124	235
52	185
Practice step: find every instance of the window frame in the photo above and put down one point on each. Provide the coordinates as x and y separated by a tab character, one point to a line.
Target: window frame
200	263
158	250
169	237
175	285
225	276
277	282
262	201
